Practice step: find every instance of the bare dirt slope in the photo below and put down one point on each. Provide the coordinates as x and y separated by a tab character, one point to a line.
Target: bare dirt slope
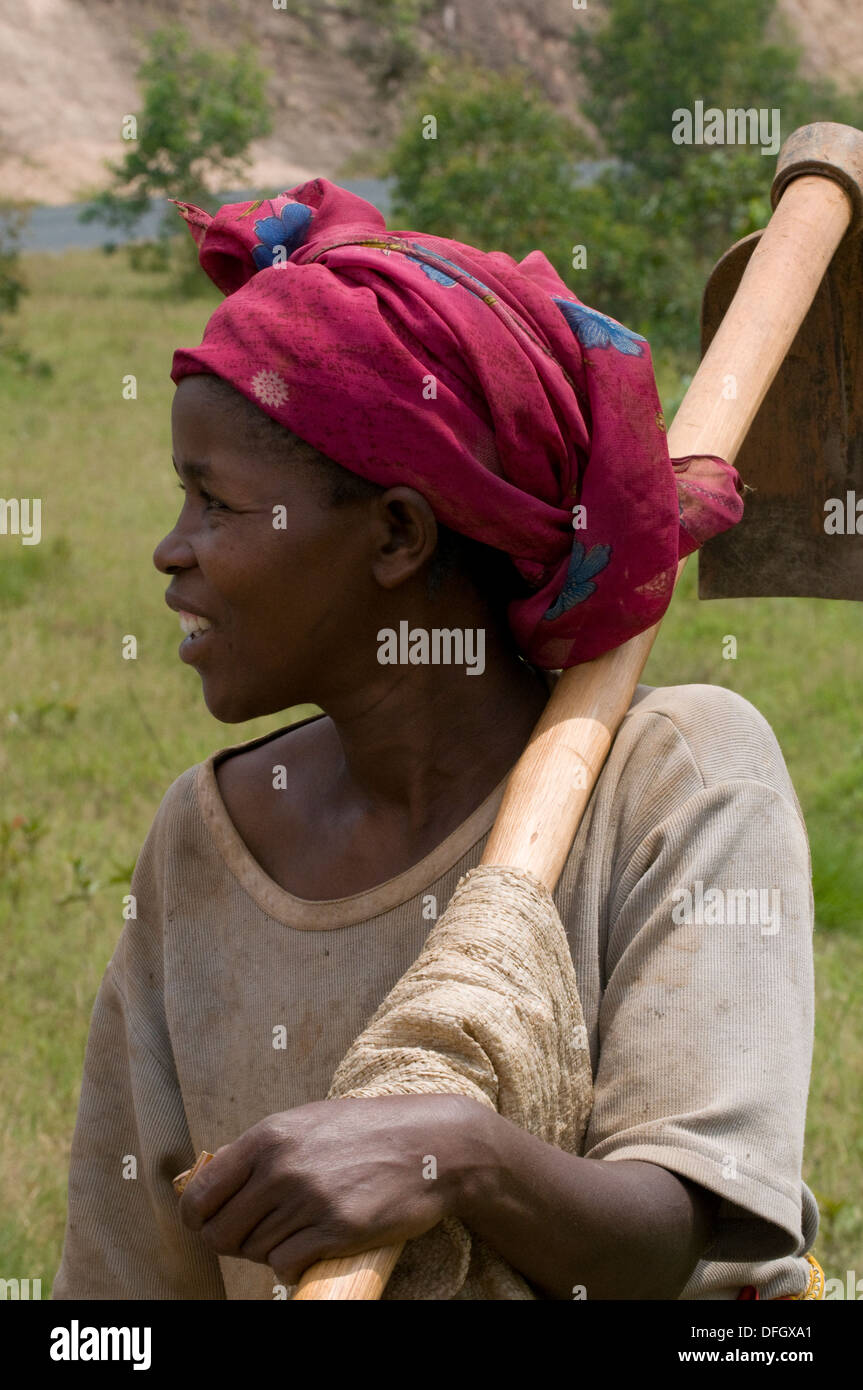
68	75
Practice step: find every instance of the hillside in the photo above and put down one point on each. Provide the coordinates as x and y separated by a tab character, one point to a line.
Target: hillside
69	75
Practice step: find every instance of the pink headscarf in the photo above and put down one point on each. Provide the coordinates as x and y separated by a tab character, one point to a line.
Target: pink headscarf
527	420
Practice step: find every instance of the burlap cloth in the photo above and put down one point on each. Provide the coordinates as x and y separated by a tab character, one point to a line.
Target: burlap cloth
489	1009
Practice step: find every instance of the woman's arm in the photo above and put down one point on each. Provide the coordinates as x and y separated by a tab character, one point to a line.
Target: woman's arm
124	1239
337	1177
616	1228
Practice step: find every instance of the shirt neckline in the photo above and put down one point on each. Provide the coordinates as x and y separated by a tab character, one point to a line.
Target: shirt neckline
329	913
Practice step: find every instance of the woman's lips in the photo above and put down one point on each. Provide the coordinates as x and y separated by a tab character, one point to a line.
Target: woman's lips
192	623
197	638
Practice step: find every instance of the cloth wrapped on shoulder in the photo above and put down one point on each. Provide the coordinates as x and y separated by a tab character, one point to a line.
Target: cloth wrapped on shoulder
489	1009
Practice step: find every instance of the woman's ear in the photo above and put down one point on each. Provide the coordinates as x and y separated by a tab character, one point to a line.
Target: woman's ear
405	535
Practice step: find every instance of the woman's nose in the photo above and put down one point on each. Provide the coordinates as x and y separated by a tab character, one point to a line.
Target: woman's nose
173	553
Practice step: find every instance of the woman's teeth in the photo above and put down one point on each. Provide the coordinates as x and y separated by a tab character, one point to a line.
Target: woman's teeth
192	624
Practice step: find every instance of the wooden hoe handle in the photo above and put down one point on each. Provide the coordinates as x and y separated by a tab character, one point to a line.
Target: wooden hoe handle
817	195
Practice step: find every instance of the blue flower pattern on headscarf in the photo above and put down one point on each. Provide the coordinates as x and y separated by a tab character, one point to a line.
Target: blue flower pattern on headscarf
439	276
593	329
579	583
287	230
433	273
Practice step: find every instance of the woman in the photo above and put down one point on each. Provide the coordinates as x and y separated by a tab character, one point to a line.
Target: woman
407	463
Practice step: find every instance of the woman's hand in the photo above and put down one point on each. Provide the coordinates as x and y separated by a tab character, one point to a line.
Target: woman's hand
339	1176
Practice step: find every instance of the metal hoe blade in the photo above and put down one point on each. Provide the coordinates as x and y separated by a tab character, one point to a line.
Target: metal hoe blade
802	529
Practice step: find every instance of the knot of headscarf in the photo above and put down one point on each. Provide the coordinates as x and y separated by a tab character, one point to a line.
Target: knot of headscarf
526	419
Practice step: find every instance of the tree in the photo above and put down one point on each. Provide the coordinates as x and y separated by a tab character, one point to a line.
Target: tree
647	61
386	45
655	215
664	212
201	111
482	159
13	286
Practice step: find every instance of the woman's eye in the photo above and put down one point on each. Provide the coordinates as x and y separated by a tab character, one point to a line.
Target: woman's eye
212	503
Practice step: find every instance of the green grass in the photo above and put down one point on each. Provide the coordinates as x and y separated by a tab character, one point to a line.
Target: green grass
90	742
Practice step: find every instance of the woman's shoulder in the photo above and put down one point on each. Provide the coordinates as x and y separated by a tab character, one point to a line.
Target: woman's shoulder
277	759
696	705
239	767
719	732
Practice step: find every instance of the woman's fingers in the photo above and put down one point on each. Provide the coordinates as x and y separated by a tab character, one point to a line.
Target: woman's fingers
226	1173
293	1256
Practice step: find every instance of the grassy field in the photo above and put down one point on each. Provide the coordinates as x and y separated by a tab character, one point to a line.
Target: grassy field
89	742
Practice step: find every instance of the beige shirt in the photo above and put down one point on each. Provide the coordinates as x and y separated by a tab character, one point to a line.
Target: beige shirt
687	904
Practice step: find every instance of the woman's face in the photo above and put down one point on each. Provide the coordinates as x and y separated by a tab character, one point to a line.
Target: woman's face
281	600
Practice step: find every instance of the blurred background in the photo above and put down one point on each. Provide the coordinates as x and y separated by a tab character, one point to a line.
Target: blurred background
553	130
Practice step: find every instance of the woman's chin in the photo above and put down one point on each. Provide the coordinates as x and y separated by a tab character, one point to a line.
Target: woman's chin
238	707
228	706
